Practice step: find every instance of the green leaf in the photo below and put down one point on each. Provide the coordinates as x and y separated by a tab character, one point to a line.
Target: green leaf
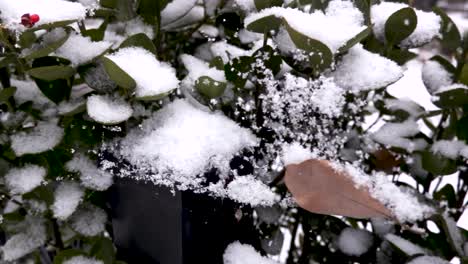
265	24
463	77
400	25
46	50
319	55
6	93
238	69
210	88
401	56
108	3
447	193
139	40
125	10
51	73
355	40
462	129
452	98
27	39
451	38
271	60
364	7
438	164
42	193
119	76
103	249
262	4
150	10
53	25
445	63
64	255
7	60
217	62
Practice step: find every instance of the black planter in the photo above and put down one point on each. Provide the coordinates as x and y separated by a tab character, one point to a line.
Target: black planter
153	224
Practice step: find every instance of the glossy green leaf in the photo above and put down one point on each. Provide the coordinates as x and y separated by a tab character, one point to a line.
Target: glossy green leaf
47	49
210	88
401	56
103	249
150	10
438	164
262	4
217	62
445	63
27	39
6	93
265	24
238	69
64	255
355	40
463	76
139	40
53	25
447	193
452	98
119	76
462	128
400	25
41	193
51	73
451	38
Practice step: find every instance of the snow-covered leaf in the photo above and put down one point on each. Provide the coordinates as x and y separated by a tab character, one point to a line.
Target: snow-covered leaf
107	110
400	25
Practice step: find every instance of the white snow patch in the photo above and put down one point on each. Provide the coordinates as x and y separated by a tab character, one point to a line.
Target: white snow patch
80	50
197	68
26	241
82	260
176	10
89	220
246	189
237	253
107	110
428	260
246	5
354	242
91	177
43	137
428	26
25	179
153	77
406	246
27	90
294	153
361	70
396	135
68	196
405	104
435	76
328	99
448	148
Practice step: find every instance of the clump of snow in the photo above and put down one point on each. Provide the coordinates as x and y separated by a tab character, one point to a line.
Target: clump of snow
68	196
328	99
185	141
72	106
49	11
197	68
340	22
107	110
354	242
228	52
25	179
246	189
118	32
25	242
245	5
428	260
294	153
195	15
405	245
175	10
43	137
361	70
396	135
452	87
404	104
27	90
435	76
237	253
82	260
152	77
448	148
89	220
80	50
91	177
428	26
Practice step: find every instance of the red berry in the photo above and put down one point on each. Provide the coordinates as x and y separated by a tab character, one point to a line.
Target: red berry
34	18
26	20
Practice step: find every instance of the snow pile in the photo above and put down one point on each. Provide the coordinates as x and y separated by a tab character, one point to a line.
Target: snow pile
25	179
404	104
185	141
89	220
43	137
449	148
25	242
294	153
396	135
175	10
237	253
340	22
246	5
361	70
428	260
152	77
355	242
197	68
248	190
49	11
405	245
107	110
118	32
68	196
91	177
428	26
27	90
228	52
80	50
435	76
328	99
82	260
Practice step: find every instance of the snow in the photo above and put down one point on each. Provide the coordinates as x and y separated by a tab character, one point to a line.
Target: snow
152	77
175	10
354	242
195	15
82	260
118	32
294	153
405	104
245	5
248	190
25	242
89	220
80	50
49	11
25	179
361	70
228	52
43	137
448	148
396	135
68	196
197	68
406	246
428	26
340	22
237	253
452	87
91	177
27	90
328	99
428	260
108	110
435	76
185	140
